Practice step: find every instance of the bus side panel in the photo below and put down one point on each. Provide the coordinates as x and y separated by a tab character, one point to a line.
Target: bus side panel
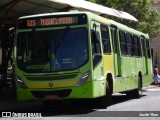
128	71
139	66
148	78
118	84
129	78
108	65
99	81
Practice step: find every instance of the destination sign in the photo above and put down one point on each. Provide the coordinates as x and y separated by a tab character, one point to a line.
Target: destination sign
50	21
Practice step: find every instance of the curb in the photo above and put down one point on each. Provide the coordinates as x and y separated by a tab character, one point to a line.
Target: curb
152	88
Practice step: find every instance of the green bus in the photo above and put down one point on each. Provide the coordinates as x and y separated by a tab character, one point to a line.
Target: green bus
79	55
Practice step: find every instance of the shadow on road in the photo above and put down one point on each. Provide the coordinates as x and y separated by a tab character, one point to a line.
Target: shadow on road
119	98
71	107
56	108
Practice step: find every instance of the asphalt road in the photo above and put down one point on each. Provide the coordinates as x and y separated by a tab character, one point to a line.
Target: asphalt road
147	107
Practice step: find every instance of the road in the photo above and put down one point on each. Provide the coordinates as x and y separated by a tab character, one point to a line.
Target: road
148	106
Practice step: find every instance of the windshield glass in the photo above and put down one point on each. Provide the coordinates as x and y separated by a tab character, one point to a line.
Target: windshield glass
52	50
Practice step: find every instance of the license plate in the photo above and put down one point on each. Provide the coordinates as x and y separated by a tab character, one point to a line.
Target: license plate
51	97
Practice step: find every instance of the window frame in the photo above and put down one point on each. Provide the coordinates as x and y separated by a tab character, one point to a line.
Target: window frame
106	48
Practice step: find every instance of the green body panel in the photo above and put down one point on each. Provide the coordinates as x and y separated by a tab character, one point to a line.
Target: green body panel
77	92
129	79
125	84
99	83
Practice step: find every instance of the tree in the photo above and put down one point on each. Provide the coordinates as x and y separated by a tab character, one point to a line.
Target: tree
148	18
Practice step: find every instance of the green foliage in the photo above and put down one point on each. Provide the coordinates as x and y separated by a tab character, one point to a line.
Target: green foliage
148	18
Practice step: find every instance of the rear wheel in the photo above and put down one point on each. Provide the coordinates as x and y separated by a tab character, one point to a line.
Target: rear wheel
137	93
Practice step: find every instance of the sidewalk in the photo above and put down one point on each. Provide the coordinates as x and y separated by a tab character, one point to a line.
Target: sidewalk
152	88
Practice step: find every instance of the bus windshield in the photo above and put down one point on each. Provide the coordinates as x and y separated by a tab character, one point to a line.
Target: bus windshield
52	50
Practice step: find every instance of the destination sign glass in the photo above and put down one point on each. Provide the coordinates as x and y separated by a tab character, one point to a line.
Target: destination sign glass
50	21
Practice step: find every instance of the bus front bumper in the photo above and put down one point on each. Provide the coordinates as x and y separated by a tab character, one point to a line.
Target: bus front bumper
91	89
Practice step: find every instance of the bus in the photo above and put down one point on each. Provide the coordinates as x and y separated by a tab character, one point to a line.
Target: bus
79	55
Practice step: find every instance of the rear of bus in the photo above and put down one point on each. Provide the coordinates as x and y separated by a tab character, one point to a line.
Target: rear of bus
53	58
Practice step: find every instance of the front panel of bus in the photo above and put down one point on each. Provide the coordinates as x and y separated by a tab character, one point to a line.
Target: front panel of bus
53	57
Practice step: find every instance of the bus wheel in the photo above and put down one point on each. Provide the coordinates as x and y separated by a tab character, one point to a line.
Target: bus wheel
108	94
136	93
105	101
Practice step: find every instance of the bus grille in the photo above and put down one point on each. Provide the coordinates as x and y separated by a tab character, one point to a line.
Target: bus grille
50	77
60	93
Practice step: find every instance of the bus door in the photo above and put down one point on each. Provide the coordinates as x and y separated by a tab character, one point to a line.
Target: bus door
107	49
145	60
96	50
116	52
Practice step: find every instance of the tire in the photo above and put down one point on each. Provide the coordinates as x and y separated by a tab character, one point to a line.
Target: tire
108	94
136	93
105	101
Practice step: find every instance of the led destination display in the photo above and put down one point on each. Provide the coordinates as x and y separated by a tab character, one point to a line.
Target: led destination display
50	21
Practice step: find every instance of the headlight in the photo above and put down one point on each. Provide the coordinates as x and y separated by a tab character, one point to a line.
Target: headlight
83	79
21	83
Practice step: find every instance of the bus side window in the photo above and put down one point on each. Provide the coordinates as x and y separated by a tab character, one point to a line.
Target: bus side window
135	39
148	49
123	43
129	44
96	48
105	39
133	47
143	45
137	46
114	40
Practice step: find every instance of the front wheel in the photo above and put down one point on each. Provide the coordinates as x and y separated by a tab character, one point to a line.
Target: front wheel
105	101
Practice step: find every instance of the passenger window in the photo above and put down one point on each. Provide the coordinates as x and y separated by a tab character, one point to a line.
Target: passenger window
123	44
96	48
148	49
129	44
137	46
105	39
114	40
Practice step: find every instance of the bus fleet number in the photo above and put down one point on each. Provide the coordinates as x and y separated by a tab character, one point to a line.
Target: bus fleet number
31	23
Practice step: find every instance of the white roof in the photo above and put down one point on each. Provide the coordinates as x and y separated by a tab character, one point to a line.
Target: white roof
96	8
